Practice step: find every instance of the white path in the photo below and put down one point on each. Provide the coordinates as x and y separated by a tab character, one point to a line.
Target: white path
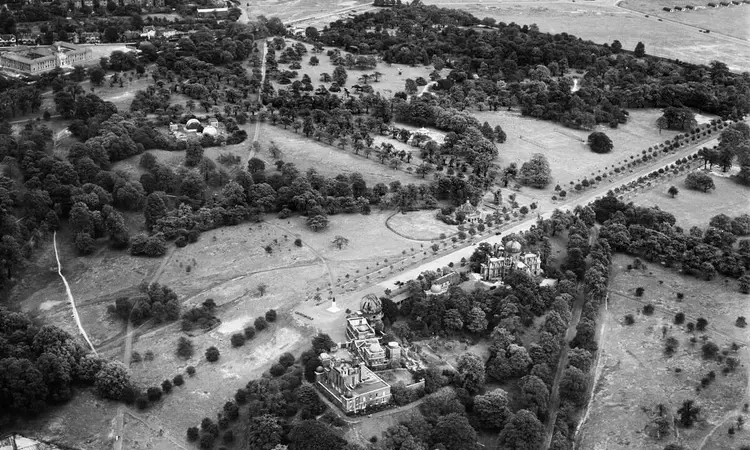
70	295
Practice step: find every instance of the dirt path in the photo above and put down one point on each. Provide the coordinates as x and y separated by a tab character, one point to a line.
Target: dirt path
262	80
734	413
70	295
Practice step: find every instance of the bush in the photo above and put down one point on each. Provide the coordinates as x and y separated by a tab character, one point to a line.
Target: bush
648	309
287	359
679	318
260	324
212	354
639	291
249	332
166	386
701	324
629	320
741	322
298	242
228	437
193	434
271	315
135	357
690	327
178	380
141	402
190	370
154	393
709	350
207	441
278	370
185	348
238	340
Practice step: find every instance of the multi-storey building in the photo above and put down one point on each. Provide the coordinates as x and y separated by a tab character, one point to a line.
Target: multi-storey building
350	384
501	261
41	59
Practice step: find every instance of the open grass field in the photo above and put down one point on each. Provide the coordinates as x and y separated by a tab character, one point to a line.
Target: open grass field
695	208
420	225
636	375
329	160
602	22
732	20
390	83
566	149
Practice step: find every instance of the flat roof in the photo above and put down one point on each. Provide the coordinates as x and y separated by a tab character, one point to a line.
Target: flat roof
373	383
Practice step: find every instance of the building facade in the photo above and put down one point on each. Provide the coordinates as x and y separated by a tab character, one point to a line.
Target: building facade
502	260
350	384
40	59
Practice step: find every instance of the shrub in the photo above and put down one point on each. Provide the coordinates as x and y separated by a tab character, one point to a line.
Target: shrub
193	434
154	393
190	370
249	332
185	348
141	402
271	315
238	339
701	324
178	380
671	346
149	356
278	370
298	242
709	350
629	320
135	357
648	309
679	318
166	386
741	322
212	354
228	437
639	291
690	327
287	359
207	441
260	324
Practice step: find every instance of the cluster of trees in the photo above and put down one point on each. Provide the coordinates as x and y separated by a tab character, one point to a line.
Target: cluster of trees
18	98
512	70
260	324
653	235
734	146
40	366
156	301
201	317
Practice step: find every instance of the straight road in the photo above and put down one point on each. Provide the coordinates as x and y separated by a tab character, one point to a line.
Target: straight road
587	197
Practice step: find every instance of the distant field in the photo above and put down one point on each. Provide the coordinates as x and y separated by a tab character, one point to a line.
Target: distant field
695	208
732	20
603	23
317	11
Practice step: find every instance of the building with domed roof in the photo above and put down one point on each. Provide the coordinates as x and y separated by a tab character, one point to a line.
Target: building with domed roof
371	308
504	259
471	213
441	285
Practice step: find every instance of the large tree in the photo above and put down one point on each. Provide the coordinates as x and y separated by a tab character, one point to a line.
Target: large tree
523	432
492	409
536	172
600	142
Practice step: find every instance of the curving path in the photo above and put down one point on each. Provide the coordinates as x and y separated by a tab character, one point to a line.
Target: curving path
70	295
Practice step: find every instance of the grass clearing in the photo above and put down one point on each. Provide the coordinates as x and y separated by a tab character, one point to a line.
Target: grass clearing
636	375
420	225
695	208
327	159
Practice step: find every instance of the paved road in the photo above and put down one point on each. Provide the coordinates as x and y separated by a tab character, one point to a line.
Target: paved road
330	322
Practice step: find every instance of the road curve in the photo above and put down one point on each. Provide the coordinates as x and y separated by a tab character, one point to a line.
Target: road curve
70	295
